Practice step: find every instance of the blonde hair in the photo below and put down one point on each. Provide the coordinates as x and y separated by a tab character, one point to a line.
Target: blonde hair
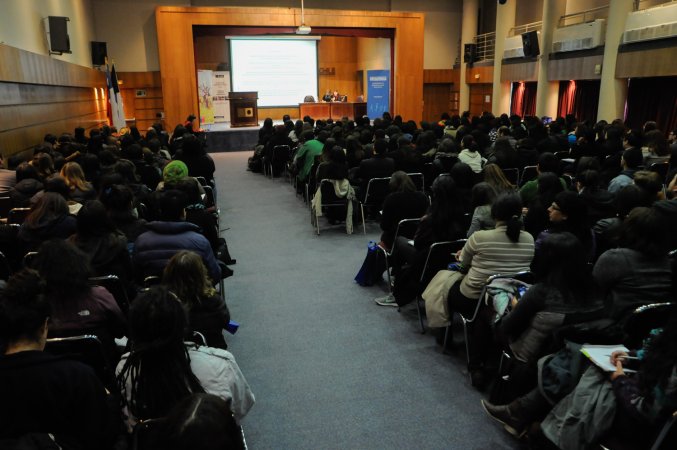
186	276
74	176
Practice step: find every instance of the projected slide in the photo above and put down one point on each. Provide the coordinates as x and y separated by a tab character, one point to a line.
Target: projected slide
283	71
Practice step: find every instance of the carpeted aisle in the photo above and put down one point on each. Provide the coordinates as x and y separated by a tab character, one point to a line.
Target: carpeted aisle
331	369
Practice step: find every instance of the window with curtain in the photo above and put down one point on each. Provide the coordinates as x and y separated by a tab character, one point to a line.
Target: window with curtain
654	99
579	98
523	100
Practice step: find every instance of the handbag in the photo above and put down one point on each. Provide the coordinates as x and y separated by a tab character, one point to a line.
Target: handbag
372	267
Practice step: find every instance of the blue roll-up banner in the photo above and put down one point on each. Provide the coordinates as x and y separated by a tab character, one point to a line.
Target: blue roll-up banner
378	92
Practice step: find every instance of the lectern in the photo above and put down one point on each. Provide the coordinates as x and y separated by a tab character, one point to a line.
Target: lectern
243	109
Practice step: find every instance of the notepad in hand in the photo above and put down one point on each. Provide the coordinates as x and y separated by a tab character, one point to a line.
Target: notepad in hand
600	355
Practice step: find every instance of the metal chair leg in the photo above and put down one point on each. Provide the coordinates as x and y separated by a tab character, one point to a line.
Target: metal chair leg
447	335
420	315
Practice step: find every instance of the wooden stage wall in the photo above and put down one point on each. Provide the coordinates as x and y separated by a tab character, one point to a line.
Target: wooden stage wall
40	95
176	49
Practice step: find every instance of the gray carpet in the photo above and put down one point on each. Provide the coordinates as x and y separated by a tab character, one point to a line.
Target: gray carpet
331	369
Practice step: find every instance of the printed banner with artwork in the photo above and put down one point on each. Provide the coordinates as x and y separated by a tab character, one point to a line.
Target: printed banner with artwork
378	92
220	89
204	93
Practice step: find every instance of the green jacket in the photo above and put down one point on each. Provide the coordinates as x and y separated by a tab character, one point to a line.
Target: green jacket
307	154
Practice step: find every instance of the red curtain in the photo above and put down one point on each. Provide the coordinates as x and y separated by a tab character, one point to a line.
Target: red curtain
523	101
579	98
652	99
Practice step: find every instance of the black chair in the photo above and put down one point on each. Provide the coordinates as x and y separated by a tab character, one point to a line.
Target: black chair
419	180
662	169
561	155
5	206
429	173
88	349
644	319
406	228
279	158
528	173
512	174
5	268
114	285
377	190
29	260
151	280
17	215
329	201
440	254
667	434
143	433
525	277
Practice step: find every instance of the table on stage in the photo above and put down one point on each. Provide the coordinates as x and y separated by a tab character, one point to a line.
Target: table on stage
333	110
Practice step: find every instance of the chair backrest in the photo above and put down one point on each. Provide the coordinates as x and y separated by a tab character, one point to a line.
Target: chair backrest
17	215
528	173
209	200
5	268
29	260
114	285
281	153
142	434
377	190
85	348
418	179
564	154
513	175
439	256
644	319
429	171
661	168
329	196
5	206
407	228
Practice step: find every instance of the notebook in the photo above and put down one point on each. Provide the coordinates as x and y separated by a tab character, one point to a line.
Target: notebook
600	355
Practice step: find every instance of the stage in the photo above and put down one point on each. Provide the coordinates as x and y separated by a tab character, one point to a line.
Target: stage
222	138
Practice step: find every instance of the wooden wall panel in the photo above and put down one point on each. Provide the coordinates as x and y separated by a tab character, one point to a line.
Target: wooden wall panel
436	100
580	68
340	54
438	76
522	71
478	98
479	75
40	95
278	113
144	109
175	43
655	62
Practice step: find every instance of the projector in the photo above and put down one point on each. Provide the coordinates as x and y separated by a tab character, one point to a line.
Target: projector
303	29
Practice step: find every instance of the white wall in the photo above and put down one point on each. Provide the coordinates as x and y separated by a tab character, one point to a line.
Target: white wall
21	26
128	28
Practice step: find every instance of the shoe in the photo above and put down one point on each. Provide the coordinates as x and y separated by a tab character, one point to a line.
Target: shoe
501	414
388	300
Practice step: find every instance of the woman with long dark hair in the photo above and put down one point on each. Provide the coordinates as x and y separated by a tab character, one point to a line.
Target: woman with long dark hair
403	202
187	277
49	218
537	218
443	221
162	369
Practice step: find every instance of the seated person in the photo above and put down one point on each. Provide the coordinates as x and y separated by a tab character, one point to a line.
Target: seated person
49	218
507	249
403	202
631	159
193	154
169	235
27	185
547	162
42	393
638	271
199	422
77	306
483	196
186	276
162	369
378	166
327	96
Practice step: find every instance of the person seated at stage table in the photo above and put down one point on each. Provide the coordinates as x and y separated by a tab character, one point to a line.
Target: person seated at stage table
327	96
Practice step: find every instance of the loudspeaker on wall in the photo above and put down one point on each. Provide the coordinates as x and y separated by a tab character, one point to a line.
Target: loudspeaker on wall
469	53
59	42
530	44
99	53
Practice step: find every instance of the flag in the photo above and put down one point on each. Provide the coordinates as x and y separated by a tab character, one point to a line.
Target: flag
116	112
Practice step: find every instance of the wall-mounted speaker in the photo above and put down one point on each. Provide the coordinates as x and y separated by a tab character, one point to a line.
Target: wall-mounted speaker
99	53
530	44
469	53
59	42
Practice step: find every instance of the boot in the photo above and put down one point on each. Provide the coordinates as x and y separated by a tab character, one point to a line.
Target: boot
506	416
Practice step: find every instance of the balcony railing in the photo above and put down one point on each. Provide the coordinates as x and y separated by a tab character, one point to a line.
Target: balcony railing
588	15
534	26
485	46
